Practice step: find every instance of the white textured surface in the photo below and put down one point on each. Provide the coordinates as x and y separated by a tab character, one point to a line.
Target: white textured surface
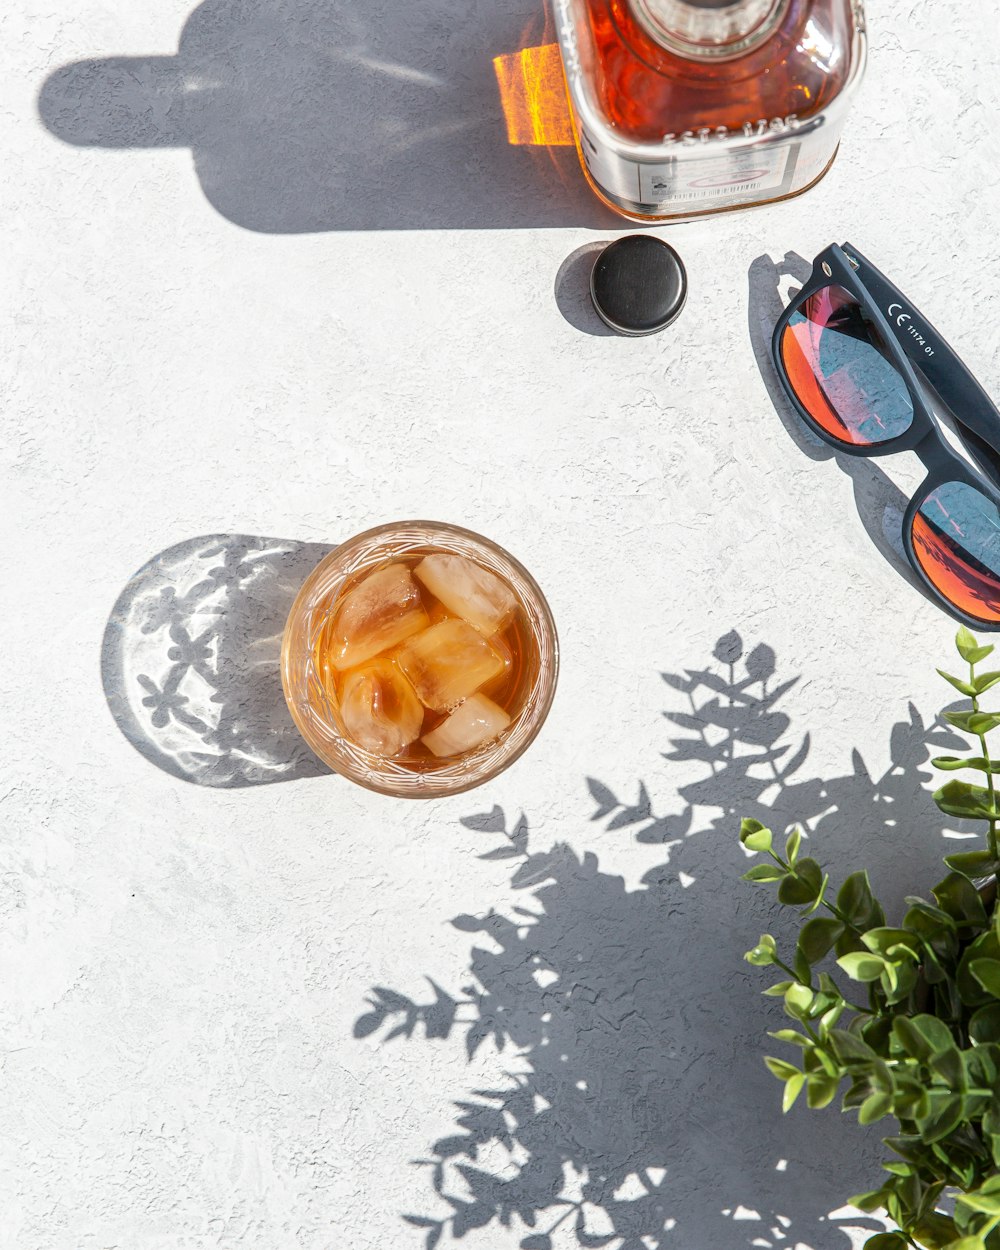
222	349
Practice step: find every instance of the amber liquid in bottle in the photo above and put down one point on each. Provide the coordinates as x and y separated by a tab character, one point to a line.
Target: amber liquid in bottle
648	90
670	128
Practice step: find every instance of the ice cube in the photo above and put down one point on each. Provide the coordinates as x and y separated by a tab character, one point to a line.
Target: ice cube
379	613
447	663
380	709
470	591
472	723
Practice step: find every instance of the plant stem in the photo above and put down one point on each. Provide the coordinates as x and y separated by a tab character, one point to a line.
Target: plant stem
992	836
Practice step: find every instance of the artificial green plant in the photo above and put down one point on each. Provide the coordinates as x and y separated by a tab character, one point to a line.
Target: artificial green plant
916	1035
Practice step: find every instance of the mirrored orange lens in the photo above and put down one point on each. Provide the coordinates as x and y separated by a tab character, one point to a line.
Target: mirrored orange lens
956	538
837	365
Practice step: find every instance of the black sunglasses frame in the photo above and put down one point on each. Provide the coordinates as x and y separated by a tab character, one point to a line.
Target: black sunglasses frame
912	344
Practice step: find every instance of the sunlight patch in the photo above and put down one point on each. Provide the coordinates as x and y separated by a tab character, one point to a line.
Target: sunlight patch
630	1189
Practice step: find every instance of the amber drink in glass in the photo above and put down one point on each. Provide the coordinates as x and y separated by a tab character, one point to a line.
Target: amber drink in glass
419	659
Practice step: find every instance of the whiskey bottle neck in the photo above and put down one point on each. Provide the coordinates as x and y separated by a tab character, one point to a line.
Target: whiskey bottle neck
709	29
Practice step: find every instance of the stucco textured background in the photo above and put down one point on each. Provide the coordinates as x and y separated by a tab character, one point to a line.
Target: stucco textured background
272	276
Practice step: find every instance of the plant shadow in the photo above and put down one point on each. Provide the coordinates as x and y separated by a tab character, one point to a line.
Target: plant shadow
337	116
190	660
635	1111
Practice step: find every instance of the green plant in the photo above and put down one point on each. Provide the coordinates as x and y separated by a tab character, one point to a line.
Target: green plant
917	1037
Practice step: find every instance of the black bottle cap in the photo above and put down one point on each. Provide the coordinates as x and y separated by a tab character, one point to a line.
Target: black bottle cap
638	284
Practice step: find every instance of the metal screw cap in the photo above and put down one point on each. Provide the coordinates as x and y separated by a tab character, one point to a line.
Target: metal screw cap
638	284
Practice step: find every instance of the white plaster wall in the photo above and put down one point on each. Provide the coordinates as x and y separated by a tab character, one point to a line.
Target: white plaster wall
214	344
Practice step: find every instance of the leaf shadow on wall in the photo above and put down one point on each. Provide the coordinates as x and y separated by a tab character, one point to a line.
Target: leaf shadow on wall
635	1111
190	660
339	116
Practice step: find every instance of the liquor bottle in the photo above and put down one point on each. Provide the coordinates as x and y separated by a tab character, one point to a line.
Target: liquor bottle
688	107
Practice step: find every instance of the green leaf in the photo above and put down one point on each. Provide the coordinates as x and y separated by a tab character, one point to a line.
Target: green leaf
963	687
874	1107
981	1066
820	897
935	1032
818	936
791	1037
969	648
957	896
873	1200
910	1101
983	722
783	1071
921	1036
792	1090
966	801
862	967
851	1049
949	763
804	885
792	845
984	1026
884	941
986	681
798	1000
855	899
764	872
987	973
821	1091
764	953
984	1201
934	1230
946	1114
759	841
748	828
948	1065
972	864
887	1241
829	1018
966	1243
778	989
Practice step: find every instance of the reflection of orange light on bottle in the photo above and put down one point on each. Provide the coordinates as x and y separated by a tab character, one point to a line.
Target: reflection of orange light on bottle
533	95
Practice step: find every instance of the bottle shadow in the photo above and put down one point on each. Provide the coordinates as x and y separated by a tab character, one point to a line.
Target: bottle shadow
880	504
635	1111
306	117
190	660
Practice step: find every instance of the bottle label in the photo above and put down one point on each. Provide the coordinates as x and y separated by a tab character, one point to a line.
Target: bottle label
710	181
714	179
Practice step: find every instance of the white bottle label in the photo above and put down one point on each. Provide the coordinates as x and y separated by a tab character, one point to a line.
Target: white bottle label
708	181
714	178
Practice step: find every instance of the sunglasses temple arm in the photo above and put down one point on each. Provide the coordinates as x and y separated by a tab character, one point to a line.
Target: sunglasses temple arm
921	343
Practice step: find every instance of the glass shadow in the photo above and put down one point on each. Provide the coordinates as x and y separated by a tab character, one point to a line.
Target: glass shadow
190	660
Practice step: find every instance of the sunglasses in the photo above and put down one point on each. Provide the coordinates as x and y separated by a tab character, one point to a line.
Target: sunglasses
871	376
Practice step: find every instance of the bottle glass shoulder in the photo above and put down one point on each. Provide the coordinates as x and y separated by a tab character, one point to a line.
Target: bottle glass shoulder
646	91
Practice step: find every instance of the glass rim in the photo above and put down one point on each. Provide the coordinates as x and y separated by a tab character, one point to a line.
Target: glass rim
368	549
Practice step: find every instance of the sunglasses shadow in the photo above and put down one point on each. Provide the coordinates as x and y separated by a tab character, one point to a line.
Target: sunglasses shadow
880	504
